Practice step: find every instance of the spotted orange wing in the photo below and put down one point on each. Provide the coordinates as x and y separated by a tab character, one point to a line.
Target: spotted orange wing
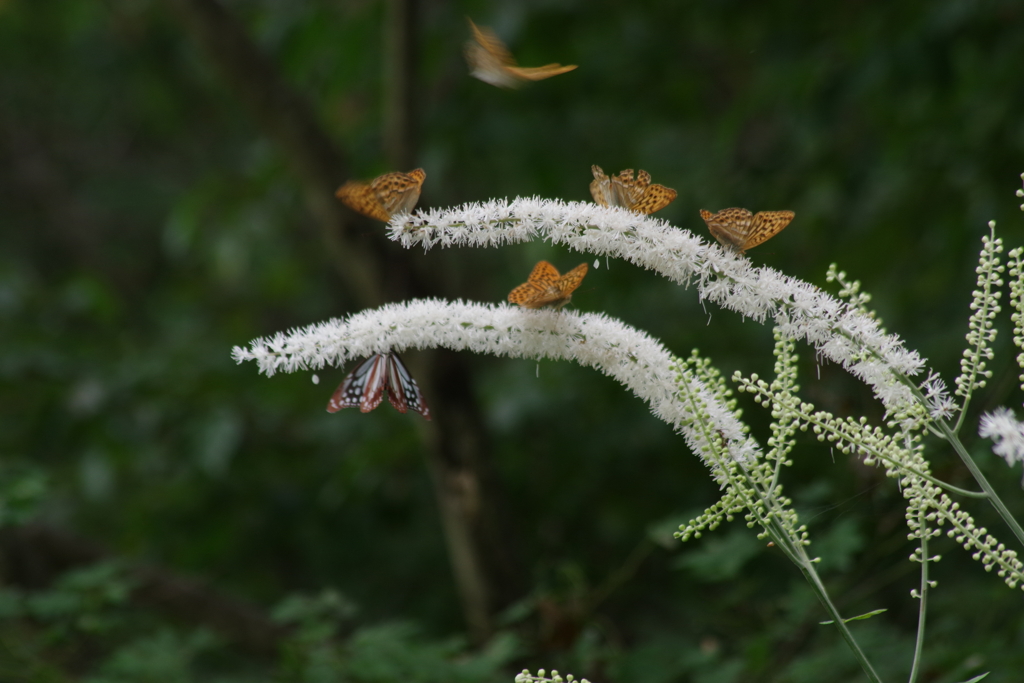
629	191
729	226
568	283
655	198
618	190
635	195
766	225
740	230
545	287
399	192
540	288
360	197
384	196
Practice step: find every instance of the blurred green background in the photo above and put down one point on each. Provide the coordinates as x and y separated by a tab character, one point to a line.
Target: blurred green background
153	215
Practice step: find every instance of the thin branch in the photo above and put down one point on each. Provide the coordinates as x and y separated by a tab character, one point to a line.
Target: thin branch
922	521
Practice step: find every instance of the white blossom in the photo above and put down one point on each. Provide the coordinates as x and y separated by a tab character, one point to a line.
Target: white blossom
1006	432
940	404
627	355
837	330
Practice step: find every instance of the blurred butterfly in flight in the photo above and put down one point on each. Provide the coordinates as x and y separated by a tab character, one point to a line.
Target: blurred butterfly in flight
491	62
384	196
545	287
635	195
365	386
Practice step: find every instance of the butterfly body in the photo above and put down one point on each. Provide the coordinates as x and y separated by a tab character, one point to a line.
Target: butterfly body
622	190
366	384
384	196
738	229
546	287
492	63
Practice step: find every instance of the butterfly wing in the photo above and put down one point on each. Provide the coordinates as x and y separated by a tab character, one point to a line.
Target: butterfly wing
491	44
524	295
637	187
385	195
540	289
361	197
729	226
619	190
766	225
489	59
399	192
600	187
568	283
363	387
655	198
633	194
539	73
626	191
403	392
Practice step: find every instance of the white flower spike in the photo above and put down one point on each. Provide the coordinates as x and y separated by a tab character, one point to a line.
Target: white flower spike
801	310
627	355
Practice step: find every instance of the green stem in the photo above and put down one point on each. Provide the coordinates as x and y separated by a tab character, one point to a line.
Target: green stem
807	567
983	318
963	411
794	549
811	420
993	497
923	608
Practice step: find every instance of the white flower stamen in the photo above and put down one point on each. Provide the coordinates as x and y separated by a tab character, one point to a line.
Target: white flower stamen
1006	432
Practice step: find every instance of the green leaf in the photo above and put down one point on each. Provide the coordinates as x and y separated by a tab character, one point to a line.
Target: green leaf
866	615
978	678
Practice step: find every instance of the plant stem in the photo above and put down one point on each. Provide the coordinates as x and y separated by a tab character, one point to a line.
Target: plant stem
993	497
923	608
794	550
810	419
807	567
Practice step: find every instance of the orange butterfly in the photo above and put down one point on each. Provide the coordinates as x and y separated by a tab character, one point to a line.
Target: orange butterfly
740	230
635	195
385	195
545	287
491	62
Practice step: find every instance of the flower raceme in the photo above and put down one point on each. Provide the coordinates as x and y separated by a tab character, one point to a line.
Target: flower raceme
838	331
690	394
627	355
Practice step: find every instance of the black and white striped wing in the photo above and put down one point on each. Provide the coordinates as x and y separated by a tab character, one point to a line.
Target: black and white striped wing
363	387
403	392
